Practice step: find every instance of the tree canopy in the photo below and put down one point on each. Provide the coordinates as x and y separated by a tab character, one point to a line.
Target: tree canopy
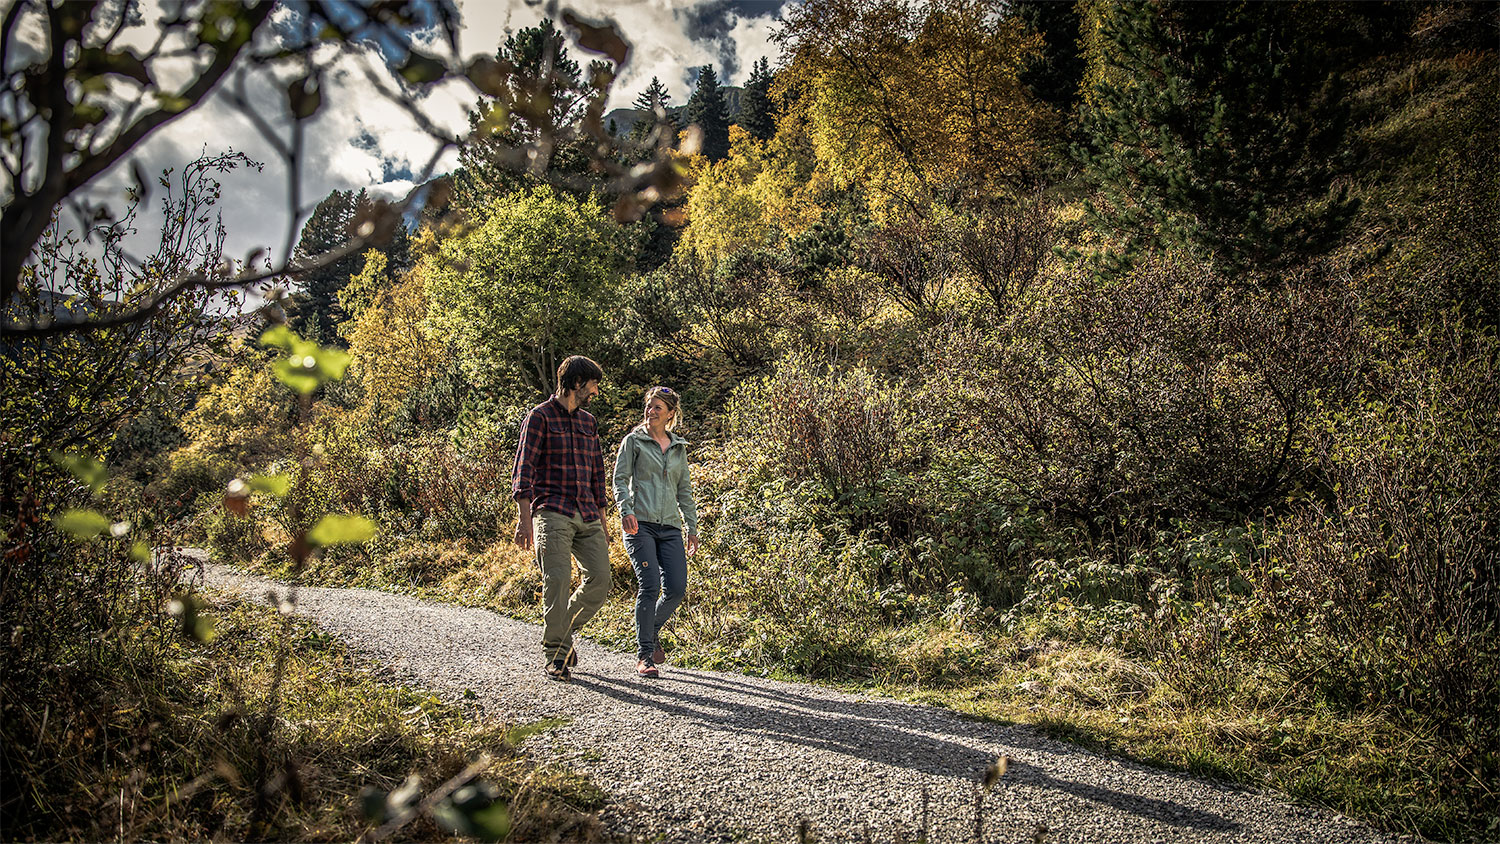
1220	128
527	287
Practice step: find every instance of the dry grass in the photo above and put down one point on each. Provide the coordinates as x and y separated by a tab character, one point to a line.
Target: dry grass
211	741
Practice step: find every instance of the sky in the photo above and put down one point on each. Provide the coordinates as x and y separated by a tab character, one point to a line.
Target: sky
361	140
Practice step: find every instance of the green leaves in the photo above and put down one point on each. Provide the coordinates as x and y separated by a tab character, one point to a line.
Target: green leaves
474	810
532	282
306	365
82	524
422	70
84	467
304	96
276	485
337	529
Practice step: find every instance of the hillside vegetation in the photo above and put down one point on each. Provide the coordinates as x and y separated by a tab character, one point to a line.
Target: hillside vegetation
1130	370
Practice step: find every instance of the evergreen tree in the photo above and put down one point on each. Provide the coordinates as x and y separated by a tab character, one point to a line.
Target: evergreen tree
756	114
1056	76
655	105
399	260
315	311
548	92
534	51
706	109
1218	128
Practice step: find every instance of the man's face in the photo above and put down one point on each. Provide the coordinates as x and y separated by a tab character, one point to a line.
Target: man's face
585	393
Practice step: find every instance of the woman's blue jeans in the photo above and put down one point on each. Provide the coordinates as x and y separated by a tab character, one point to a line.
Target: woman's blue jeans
660	561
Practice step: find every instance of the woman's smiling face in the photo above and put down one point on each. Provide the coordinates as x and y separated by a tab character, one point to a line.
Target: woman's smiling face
657	413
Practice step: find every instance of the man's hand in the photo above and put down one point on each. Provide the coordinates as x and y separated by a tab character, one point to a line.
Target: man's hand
692	545
523	523
629	525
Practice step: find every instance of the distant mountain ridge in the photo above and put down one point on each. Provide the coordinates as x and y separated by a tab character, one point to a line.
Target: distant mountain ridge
625	118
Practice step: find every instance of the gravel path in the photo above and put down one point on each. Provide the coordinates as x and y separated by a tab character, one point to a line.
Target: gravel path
708	756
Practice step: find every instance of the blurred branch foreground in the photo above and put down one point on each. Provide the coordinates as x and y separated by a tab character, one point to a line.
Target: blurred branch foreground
81	93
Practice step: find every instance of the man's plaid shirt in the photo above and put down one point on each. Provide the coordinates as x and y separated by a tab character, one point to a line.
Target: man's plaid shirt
559	463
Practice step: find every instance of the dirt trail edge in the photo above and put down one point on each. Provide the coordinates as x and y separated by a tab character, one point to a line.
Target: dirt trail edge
709	756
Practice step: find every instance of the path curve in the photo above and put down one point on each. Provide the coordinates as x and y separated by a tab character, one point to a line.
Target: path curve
709	756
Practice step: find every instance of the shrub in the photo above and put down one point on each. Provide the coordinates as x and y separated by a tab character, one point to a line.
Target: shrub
435	489
189	474
845	431
526	287
1385	587
787	593
247	419
1169	394
238	539
390	355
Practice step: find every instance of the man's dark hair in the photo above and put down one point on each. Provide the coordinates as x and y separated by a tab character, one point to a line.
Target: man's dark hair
575	372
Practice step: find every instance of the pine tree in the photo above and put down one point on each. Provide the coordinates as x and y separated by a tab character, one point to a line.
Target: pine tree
706	109
315	311
399	260
543	99
757	115
1057	74
655	105
533	50
1217	128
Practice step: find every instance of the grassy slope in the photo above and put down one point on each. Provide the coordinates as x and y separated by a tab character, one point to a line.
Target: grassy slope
180	733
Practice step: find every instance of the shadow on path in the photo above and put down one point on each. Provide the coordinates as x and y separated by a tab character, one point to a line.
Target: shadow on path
870	731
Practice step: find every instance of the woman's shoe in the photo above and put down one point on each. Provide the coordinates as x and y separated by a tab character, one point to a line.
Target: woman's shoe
558	670
659	656
647	668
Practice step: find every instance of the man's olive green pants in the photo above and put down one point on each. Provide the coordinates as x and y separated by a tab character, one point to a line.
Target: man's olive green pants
558	540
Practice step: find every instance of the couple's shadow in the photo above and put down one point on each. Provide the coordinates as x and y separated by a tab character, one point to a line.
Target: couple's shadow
889	733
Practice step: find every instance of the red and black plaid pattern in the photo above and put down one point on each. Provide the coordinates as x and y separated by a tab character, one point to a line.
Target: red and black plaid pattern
559	463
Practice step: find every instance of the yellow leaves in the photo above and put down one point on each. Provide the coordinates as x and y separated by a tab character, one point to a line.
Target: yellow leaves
389	351
364	285
760	191
915	100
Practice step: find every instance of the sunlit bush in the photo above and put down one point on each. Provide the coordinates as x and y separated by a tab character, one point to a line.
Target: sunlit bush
246	419
1386	584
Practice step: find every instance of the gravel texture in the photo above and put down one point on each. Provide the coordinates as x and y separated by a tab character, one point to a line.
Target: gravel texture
709	756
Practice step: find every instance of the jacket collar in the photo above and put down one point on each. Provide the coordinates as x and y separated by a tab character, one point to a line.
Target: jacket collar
640	433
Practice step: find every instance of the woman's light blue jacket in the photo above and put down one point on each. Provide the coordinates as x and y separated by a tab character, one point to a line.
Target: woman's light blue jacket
653	485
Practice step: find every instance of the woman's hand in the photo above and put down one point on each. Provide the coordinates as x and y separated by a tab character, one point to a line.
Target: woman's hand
692	545
629	525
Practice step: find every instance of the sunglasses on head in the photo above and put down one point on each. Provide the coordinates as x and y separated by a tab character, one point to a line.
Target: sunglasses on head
664	390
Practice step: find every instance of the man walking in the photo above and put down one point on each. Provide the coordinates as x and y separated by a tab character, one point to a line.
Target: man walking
558	483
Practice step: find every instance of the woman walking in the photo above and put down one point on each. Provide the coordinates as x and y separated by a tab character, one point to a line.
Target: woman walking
655	497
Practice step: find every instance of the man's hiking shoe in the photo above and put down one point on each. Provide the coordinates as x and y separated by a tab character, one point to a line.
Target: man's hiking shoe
647	668
659	656
572	657
557	669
